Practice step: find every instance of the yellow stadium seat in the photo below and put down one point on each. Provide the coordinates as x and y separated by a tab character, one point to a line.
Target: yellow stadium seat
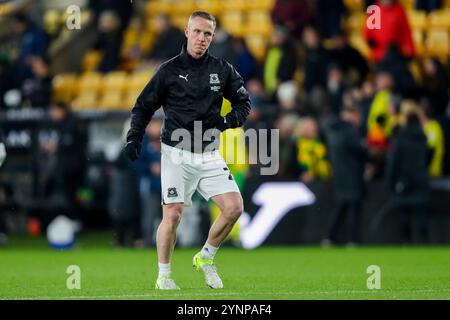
259	22
234	5
264	5
257	46
418	38
438	43
52	21
354	5
439	19
130	99
91	60
180	21
407	4
156	7
146	41
84	101
63	86
137	81
183	6
114	81
355	22
417	19
212	6
233	22
89	82
111	100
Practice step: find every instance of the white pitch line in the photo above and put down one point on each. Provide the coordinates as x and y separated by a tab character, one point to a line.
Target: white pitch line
288	293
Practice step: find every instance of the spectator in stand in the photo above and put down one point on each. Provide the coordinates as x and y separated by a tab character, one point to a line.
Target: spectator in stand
335	88
407	176
33	42
123	9
329	14
367	96
435	139
394	29
149	171
168	42
381	118
396	64
287	97
348	156
109	40
37	91
222	44
281	60
294	15
316	61
285	123
352	63
310	152
245	63
436	84
428	5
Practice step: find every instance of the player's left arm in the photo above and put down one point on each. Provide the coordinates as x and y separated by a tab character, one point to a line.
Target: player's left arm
236	93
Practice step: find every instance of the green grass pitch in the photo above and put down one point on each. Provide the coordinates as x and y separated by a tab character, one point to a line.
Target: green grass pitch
31	270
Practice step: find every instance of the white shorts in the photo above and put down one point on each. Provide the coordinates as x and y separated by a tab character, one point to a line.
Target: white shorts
184	172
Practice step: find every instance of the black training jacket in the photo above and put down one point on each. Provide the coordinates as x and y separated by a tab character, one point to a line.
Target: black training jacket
190	90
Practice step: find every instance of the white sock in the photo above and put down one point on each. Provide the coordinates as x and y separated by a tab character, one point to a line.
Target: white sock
164	269
208	251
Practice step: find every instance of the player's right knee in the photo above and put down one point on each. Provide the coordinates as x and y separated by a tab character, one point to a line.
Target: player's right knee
173	212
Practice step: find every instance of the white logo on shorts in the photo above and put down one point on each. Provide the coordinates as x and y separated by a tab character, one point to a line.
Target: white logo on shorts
183	77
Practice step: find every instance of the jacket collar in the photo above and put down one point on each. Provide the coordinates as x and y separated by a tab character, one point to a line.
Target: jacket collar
187	58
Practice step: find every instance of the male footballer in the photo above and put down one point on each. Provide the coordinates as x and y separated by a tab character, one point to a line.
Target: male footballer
190	87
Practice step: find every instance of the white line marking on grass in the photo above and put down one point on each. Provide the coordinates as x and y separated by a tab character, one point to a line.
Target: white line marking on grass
199	294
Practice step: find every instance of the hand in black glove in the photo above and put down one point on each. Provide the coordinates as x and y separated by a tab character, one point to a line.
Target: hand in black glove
219	122
132	150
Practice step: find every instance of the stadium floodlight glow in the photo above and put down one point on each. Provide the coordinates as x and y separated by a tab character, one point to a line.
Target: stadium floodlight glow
276	200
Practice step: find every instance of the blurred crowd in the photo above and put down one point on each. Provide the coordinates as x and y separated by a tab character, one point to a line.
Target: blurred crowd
342	116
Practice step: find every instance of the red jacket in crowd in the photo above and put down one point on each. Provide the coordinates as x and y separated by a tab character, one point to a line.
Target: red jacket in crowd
394	28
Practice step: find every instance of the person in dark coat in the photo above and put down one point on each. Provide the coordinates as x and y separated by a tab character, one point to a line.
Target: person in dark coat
168	41
222	44
69	161
109	41
397	65
316	61
33	42
294	15
352	63
124	206
280	61
348	156
407	176
329	14
37	90
148	168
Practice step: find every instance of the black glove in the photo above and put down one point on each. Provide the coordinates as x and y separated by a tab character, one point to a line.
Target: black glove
132	150
219	122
